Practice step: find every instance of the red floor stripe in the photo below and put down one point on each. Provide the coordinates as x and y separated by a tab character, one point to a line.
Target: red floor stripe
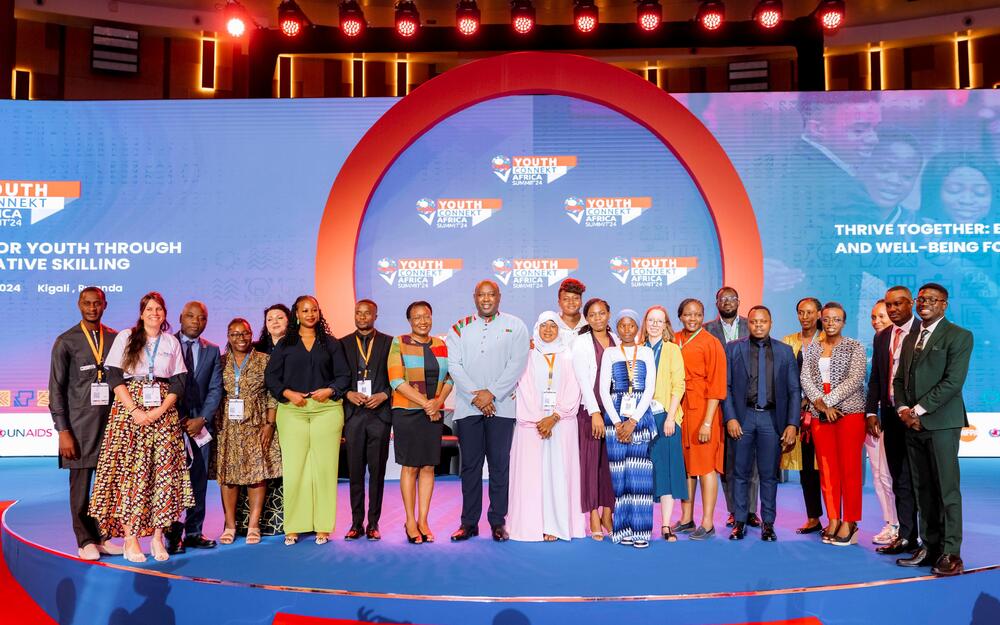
17	606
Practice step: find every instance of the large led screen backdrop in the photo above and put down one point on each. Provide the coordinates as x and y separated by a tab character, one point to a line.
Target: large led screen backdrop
222	201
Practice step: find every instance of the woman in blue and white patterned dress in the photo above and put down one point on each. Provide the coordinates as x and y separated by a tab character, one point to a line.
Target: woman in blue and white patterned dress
628	377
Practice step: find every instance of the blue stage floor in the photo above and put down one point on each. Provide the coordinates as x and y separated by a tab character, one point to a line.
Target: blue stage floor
566	573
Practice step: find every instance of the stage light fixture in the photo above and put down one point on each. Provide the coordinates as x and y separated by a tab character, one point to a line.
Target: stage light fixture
830	14
467	17
291	19
352	18
768	13
407	18
649	14
585	15
522	16
711	14
237	18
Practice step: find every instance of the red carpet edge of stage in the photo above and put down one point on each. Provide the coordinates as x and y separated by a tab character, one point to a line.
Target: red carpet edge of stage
15	604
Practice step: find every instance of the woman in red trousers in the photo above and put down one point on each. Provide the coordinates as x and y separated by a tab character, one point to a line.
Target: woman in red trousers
833	379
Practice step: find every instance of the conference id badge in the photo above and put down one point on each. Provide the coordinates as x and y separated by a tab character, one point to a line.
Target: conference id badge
628	407
365	387
100	394
235	410
151	396
548	402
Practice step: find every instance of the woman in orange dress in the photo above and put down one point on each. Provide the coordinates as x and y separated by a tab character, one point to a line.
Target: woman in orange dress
701	431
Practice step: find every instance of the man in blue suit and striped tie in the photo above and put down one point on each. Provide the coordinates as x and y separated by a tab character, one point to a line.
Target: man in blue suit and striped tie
762	415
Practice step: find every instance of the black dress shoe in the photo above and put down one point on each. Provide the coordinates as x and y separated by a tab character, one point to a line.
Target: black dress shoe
730	521
198	542
500	534
373	534
810	529
896	547
767	533
948	565
175	546
921	557
354	533
739	531
464	532
753	520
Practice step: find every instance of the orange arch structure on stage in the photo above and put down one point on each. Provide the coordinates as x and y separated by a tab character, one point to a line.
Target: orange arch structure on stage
534	73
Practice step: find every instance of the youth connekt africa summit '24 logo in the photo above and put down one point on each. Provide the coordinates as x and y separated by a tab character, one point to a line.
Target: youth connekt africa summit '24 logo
457	212
533	273
531	170
606	212
417	273
651	271
34	200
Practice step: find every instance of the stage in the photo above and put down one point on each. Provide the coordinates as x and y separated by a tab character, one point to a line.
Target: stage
480	581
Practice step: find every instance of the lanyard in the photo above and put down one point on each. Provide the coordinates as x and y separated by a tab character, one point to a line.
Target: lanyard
364	356
550	360
98	350
237	371
730	332
151	357
630	367
687	342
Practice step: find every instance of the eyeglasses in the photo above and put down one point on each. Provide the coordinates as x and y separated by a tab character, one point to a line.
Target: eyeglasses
833	320
655	322
729	298
421	318
929	300
239	335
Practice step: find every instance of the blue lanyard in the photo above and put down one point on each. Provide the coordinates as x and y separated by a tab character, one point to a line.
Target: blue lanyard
237	371
151	357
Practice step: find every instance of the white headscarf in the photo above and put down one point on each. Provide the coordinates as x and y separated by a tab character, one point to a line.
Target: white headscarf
555	346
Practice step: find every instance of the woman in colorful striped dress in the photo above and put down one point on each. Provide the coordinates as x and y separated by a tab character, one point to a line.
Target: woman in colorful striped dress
628	376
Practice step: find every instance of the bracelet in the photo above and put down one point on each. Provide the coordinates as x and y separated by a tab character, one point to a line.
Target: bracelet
706	425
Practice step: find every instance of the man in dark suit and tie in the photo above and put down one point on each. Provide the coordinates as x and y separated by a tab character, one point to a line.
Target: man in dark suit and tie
928	394
202	395
883	420
728	327
367	418
762	416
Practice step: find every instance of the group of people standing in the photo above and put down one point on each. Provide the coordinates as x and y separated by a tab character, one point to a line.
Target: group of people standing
584	423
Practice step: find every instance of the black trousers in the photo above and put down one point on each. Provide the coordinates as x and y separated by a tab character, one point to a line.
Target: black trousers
84	527
936	481
484	438
809	480
894	438
194	518
729	478
367	441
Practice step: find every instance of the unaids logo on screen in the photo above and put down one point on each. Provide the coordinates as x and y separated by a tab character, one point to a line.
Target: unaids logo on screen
606	212
417	273
531	170
34	200
533	273
651	271
457	212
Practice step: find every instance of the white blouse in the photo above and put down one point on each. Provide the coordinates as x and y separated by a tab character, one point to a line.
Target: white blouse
169	357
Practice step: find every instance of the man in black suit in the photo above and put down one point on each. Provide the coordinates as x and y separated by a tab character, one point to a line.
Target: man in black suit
367	418
729	326
927	390
202	395
762	416
883	420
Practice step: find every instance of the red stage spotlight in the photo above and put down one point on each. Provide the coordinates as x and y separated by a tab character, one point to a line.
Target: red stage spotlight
522	16
236	18
467	17
830	14
407	18
768	13
649	14
585	15
291	19
352	18
711	14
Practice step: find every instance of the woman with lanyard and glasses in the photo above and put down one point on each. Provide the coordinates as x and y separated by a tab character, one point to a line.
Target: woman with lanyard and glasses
246	452
628	376
142	483
701	432
545	456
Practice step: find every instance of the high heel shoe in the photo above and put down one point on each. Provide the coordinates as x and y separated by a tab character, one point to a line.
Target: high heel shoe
850	539
134	556
158	551
414	540
830	532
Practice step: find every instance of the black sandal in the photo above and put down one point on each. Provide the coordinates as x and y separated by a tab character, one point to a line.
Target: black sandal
668	534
